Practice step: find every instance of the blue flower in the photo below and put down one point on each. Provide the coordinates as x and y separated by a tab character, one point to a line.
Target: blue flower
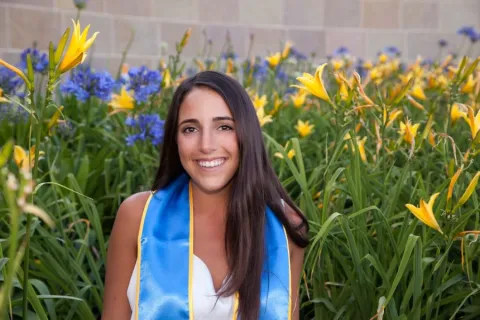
39	60
341	51
146	127
13	113
297	54
9	81
392	51
469	32
282	76
442	43
143	82
80	4
85	83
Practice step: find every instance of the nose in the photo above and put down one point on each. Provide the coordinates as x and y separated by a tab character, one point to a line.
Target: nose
207	142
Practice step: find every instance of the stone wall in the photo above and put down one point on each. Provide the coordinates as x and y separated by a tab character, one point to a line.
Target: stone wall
364	26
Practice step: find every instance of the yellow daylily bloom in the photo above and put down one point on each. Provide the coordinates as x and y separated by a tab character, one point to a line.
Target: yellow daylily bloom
200	64
2	98
262	118
286	49
277	103
304	128
298	98
394	114
77	48
167	78
417	92
185	38
274	59
469	85
376	74
382	58
368	64
453	182
361	148
408	131
259	102
230	66
337	64
290	154
473	122
470	189
431	138
424	212
314	84
121	102
457	112
17	71
22	158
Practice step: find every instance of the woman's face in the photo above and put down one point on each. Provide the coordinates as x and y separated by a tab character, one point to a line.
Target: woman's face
206	138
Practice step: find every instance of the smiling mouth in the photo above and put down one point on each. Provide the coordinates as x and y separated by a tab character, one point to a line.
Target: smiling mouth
211	163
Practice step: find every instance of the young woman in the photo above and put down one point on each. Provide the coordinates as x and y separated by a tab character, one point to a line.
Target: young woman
217	237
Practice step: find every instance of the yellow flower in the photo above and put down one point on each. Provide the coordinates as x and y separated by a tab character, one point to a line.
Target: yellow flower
290	154
361	148
425	212
417	92
469	191
452	183
473	121
2	98
77	49
382	58
376	74
167	78
469	85
259	102
277	103
314	84
457	113
121	102
408	131
368	64
298	98
199	64
185	38
230	66
22	159
394	114
17	71
431	138
304	128
286	49
274	59
262	118
338	64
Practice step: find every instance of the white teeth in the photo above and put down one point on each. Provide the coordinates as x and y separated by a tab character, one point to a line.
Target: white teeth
211	164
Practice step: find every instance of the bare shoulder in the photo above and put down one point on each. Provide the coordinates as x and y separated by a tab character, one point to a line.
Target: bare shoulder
131	209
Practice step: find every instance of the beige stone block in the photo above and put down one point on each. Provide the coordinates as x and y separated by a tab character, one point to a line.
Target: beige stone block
381	15
112	63
377	41
420	15
425	44
172	33
343	13
40	3
218	10
177	9
305	12
3	27
10	57
145	33
308	42
353	40
457	13
103	24
92	5
28	26
261	12
218	36
267	40
129	7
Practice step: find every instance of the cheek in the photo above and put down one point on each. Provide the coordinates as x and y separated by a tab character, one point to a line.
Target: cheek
184	147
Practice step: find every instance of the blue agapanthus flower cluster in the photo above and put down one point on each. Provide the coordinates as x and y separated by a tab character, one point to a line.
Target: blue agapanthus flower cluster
341	51
260	69
9	81
297	54
13	113
282	75
470	33
143	82
39	60
85	83
147	127
392	51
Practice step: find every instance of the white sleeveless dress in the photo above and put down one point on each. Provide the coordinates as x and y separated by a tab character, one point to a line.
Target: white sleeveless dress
204	298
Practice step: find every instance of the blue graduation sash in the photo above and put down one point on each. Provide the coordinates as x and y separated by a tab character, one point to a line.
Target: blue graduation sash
165	255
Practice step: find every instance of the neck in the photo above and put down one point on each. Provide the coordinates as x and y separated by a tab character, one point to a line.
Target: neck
210	204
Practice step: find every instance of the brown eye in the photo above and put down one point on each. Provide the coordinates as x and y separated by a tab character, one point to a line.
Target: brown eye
225	128
188	130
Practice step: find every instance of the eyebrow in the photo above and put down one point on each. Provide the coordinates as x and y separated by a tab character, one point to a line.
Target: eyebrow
214	119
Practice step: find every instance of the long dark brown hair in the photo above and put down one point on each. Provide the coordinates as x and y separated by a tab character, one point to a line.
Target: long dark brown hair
254	186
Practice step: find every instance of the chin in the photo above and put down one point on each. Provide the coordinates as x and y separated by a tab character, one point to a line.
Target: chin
211	185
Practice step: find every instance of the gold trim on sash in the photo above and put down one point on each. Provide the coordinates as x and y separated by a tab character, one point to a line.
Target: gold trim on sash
289	277
190	254
139	254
